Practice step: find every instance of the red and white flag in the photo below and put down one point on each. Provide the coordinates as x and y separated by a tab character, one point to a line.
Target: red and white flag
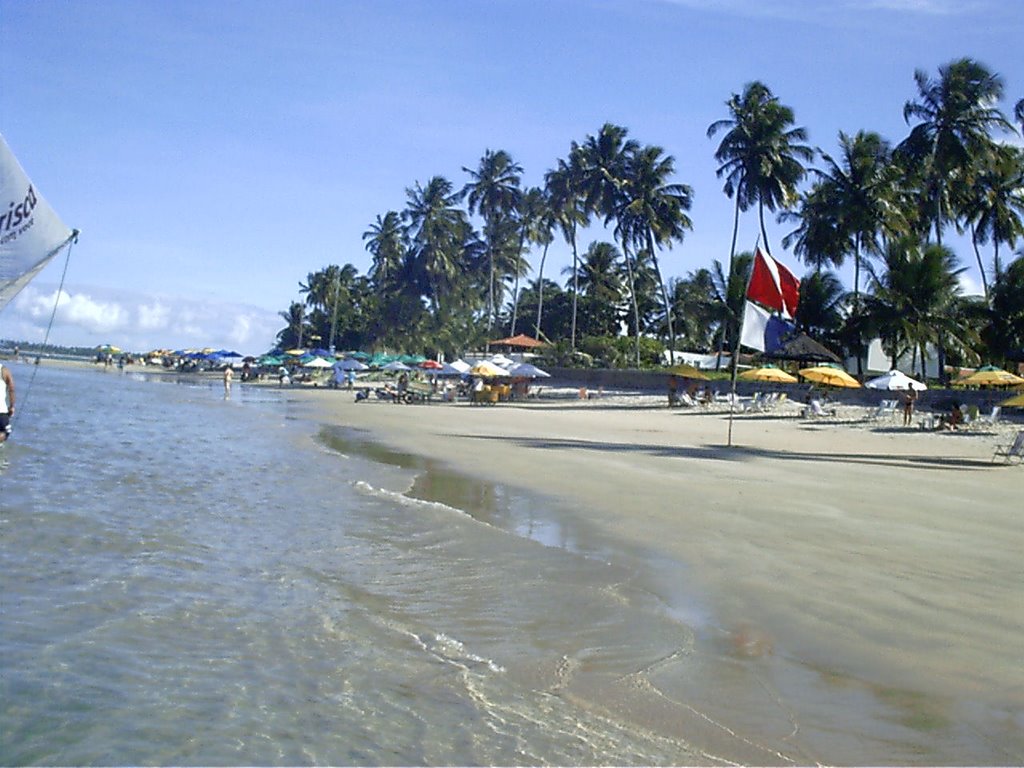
773	285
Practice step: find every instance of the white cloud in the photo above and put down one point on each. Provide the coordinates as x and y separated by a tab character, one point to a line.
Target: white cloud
137	322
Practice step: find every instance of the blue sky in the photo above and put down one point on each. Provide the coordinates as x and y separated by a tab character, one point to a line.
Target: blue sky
215	153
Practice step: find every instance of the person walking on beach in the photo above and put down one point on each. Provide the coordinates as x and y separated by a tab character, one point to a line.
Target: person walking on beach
228	376
909	398
6	402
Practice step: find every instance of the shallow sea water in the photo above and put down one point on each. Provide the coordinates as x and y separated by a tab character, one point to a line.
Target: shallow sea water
195	580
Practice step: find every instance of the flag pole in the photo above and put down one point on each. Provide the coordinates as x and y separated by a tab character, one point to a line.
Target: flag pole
736	345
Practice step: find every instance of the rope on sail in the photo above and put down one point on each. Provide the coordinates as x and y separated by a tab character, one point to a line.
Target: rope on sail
53	315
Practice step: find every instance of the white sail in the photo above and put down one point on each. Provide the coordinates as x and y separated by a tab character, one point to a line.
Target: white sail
31	233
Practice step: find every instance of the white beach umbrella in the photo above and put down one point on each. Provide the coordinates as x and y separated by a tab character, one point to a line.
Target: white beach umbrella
317	362
528	371
895	380
396	365
502	361
460	365
350	364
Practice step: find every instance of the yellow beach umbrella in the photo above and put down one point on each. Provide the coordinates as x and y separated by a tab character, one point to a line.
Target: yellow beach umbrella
1017	401
686	371
990	376
768	373
829	377
487	370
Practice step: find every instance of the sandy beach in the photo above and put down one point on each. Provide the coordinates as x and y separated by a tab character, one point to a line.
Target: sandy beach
883	556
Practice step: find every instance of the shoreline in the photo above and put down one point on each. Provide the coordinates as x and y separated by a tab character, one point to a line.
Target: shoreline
864	572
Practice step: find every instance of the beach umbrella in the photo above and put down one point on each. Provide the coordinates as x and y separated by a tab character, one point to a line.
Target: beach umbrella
461	365
1017	401
991	376
431	365
317	362
349	364
686	371
528	371
829	377
396	365
295	352
768	373
109	349
226	353
449	370
487	370
502	360
895	380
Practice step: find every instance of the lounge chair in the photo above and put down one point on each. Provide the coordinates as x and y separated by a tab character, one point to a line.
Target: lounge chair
991	420
687	401
1012	452
886	409
815	410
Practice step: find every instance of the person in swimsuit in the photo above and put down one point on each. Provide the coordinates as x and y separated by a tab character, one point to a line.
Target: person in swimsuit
6	402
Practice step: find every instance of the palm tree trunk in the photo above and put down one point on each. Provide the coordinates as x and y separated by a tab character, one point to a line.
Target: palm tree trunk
632	295
664	297
764	232
515	289
735	343
977	255
540	290
575	288
856	304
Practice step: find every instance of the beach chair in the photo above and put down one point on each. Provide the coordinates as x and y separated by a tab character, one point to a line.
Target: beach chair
991	420
754	404
886	409
816	410
1014	452
686	400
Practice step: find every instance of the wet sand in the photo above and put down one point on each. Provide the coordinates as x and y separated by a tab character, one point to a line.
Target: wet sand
884	557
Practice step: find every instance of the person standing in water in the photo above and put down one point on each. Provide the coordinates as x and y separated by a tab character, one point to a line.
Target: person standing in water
6	402
229	374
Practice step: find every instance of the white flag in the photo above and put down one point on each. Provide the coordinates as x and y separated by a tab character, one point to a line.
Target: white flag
755	323
31	233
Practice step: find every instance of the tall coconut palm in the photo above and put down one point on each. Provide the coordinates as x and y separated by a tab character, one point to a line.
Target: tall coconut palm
436	230
531	217
994	203
694	307
860	185
384	241
761	154
600	274
293	333
563	186
653	210
818	239
604	165
539	225
493	191
956	115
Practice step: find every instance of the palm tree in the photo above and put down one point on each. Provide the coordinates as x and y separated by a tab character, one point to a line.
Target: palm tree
599	275
563	187
295	317
494	192
912	301
538	224
995	203
956	114
817	240
760	154
822	307
436	230
694	306
604	161
1005	332
653	212
729	295
532	215
384	241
